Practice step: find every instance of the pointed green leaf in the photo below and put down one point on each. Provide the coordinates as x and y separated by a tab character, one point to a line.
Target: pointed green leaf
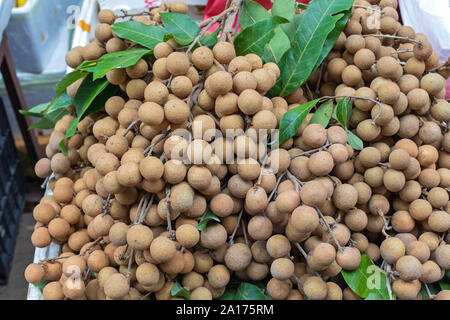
276	48
67	80
333	36
284	8
203	224
88	91
301	6
367	279
210	40
48	121
254	38
118	60
316	24
62	101
374	296
178	291
342	108
252	13
444	285
36	111
147	36
41	285
354	141
323	114
293	119
228	295
248	291
181	26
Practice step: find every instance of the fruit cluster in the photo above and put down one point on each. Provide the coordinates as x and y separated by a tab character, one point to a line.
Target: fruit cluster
186	140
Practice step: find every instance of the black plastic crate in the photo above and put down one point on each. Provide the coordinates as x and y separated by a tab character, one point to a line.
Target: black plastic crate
12	195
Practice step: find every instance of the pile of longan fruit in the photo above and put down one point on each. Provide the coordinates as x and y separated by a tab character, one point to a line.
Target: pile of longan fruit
129	197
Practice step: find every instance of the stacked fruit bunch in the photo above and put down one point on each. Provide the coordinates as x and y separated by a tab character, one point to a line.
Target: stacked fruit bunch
172	187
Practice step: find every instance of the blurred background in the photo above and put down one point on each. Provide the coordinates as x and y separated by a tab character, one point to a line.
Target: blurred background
35	36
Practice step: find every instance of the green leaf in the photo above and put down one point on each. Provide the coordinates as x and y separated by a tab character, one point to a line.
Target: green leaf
210	40
248	291
206	219
252	13
277	47
293	119
374	296
254	38
181	26
444	285
36	111
67	80
291	27
342	108
284	8
318	21
41	285
323	115
433	290
49	120
179	291
301	6
118	60
228	295
367	279
147	36
88	91
333	36
62	101
354	141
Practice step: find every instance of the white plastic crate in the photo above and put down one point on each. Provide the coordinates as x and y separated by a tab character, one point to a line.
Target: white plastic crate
5	12
33	32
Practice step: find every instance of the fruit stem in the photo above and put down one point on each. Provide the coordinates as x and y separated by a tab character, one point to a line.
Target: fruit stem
432	296
393	37
442	65
302	251
371	8
276	186
388	281
312	151
231	239
330	231
131	127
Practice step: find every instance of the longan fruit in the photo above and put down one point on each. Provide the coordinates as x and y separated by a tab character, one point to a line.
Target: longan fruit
117	286
394	180
41	238
406	290
44	213
439	221
369	157
201	293
418	98
260	228
214	236
287	201
278	246
427	155
388	67
115	45
356	219
313	193
314	135
218	276
438	197
224	52
384	117
218	84
187	235
315	288
202	58
345	197
34	273
418	249
139	237
392	249
305	219
349	258
321	163
351	75
409	126
97	260
162	249
364	58
440	110
282	268
277	289
368	131
431	272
